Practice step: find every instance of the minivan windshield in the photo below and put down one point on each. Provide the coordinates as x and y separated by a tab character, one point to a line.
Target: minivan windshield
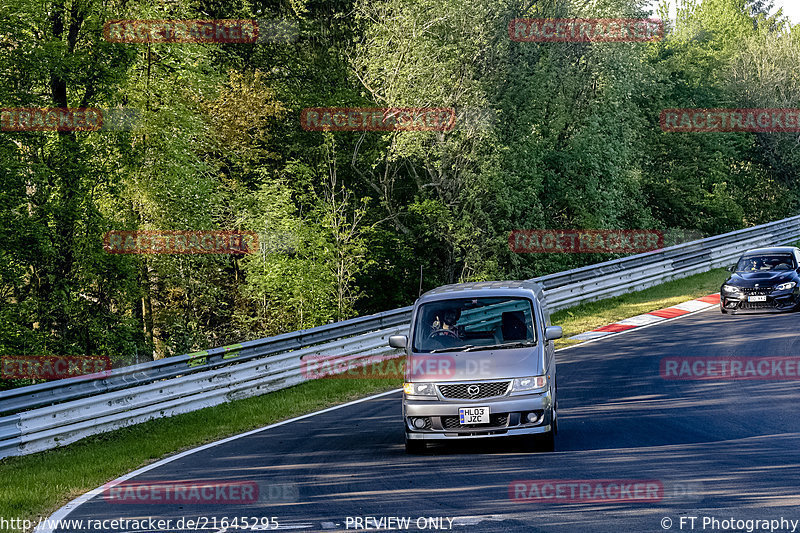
471	324
760	263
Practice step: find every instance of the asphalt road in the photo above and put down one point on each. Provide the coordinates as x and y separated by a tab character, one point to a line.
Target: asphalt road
719	449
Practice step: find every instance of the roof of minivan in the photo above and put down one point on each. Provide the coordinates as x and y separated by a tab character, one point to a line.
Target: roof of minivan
772	249
486	287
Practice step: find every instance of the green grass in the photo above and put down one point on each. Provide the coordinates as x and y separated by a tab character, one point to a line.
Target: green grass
591	315
34	486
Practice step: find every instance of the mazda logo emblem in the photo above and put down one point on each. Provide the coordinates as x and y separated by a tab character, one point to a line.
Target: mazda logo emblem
473	390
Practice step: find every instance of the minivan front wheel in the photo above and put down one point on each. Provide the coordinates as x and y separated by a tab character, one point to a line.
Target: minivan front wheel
541	443
546	442
415	446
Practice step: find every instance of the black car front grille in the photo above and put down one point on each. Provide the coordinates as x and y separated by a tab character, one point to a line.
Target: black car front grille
461	391
496	420
756	291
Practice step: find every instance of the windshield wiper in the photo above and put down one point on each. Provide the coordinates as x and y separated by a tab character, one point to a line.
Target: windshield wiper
516	344
464	348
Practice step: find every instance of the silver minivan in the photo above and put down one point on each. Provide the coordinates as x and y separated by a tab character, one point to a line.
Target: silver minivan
480	364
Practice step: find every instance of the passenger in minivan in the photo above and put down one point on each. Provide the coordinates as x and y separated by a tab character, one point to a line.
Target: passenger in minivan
513	326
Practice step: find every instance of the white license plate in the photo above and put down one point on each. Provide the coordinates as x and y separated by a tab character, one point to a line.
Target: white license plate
473	415
756	298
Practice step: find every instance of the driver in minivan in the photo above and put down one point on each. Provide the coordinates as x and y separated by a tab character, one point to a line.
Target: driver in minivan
445	323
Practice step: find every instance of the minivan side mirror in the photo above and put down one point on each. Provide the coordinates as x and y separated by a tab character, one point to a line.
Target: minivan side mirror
552	333
398	341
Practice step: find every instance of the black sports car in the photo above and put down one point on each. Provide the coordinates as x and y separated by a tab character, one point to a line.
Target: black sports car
764	280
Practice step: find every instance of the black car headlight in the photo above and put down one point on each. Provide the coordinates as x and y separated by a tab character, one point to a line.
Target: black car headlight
731	289
785	286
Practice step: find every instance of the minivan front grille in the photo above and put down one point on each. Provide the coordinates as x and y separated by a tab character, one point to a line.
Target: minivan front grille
467	391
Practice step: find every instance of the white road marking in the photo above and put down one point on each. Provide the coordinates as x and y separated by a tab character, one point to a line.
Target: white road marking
64	511
632	330
591	335
693	305
641	320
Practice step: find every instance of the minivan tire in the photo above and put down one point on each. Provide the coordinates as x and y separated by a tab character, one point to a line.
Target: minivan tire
546	442
415	446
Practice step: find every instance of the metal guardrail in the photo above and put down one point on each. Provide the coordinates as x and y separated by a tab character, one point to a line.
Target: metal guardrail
52	414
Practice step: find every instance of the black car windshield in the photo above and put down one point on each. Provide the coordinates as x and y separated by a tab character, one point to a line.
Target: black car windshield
467	324
760	263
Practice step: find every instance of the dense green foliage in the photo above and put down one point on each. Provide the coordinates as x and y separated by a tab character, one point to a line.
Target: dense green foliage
347	220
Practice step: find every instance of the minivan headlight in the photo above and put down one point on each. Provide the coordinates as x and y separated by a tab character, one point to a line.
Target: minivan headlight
419	389
785	286
730	288
532	383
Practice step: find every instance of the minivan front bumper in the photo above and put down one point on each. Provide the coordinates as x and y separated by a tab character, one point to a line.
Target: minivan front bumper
508	415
